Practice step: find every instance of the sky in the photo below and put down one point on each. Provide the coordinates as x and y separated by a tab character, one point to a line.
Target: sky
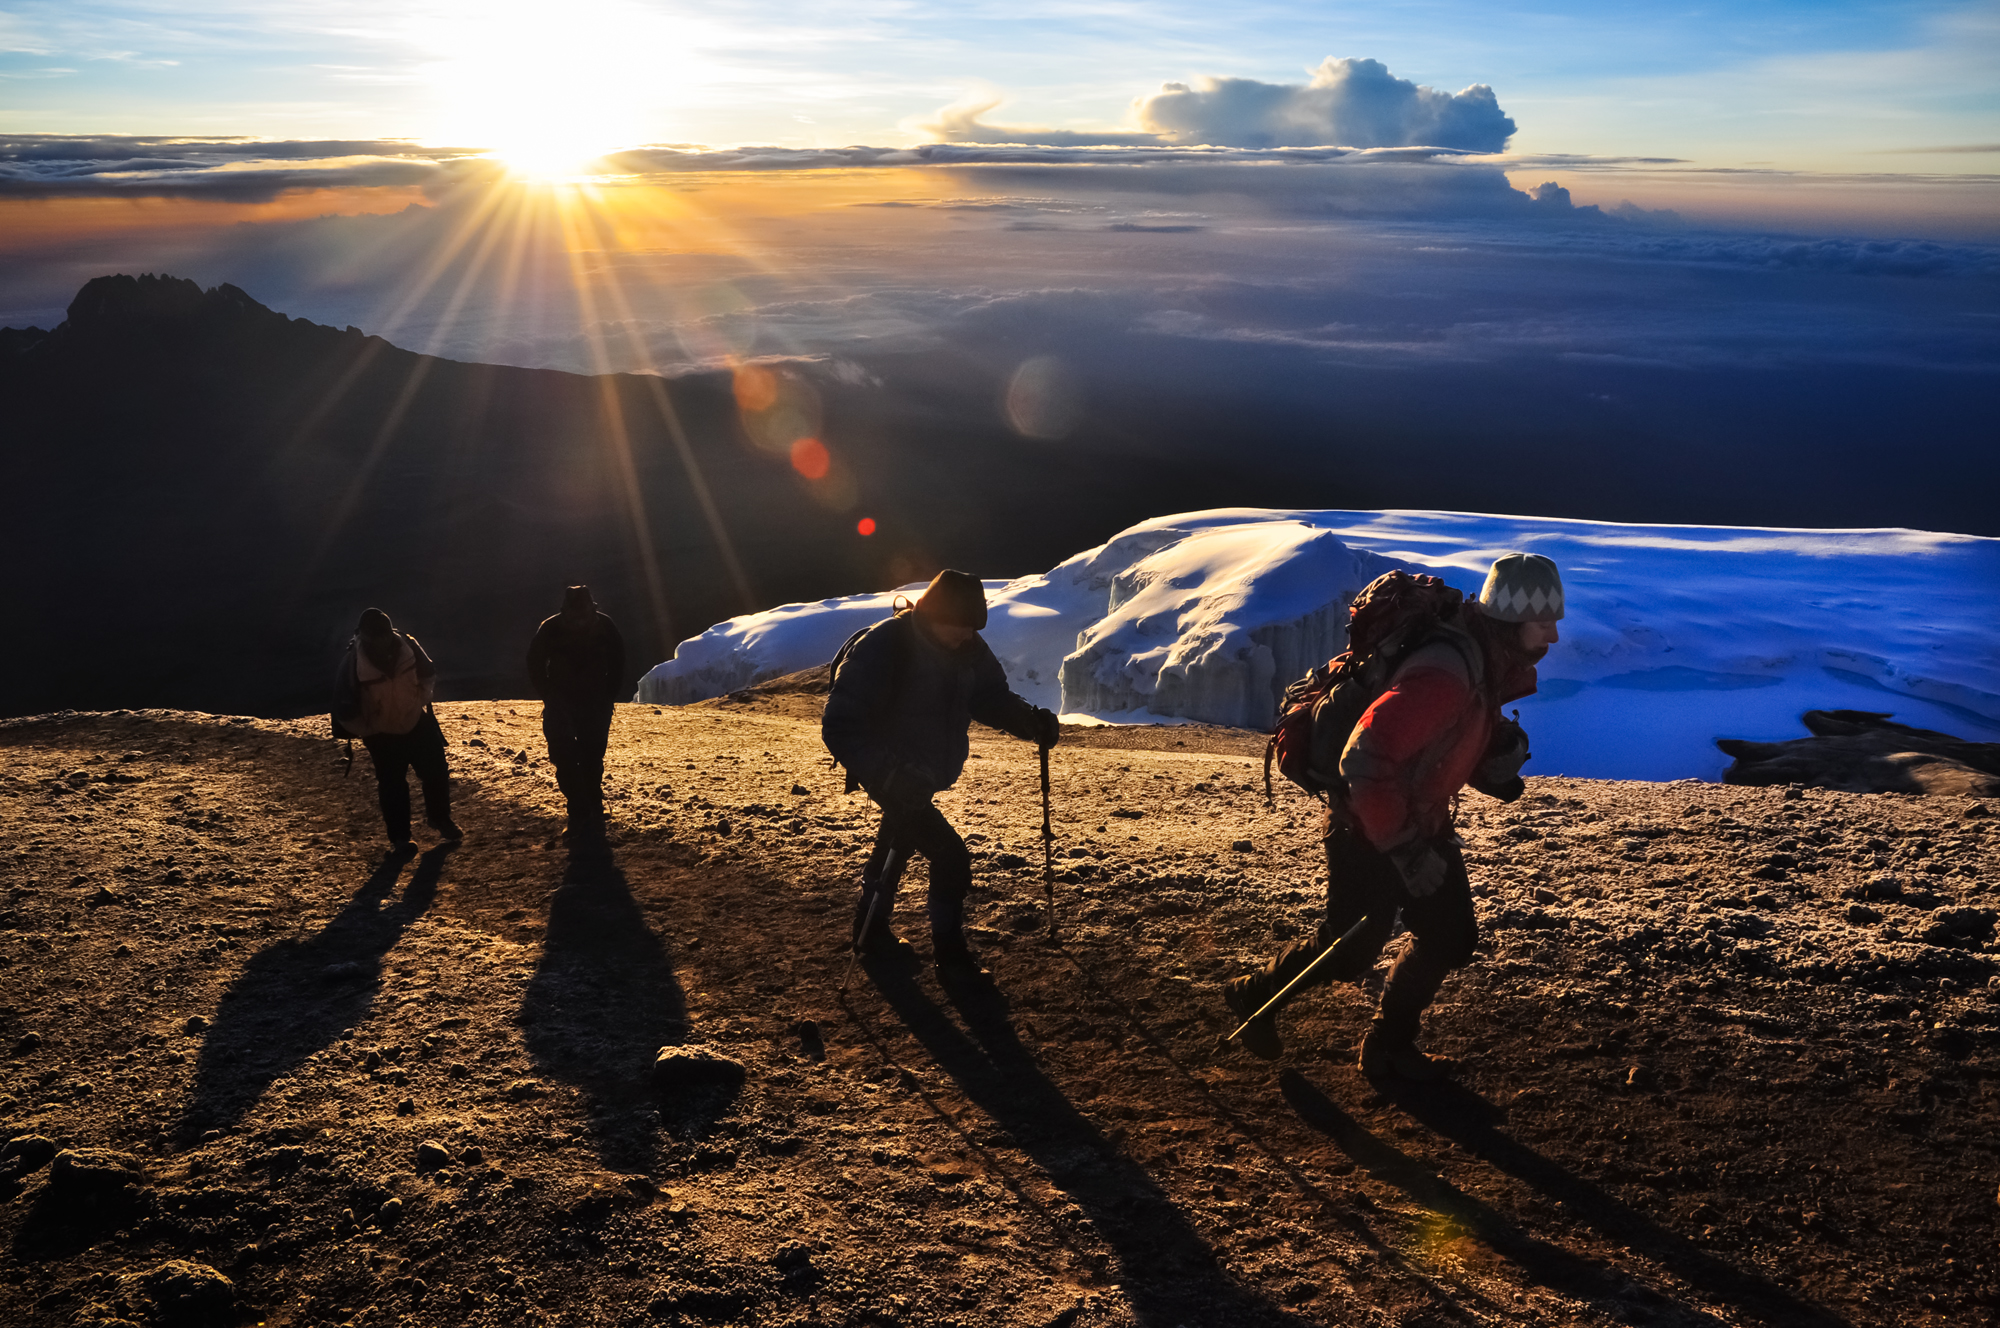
1520	205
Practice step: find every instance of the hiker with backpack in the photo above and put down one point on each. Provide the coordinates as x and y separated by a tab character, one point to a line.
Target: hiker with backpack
905	691
382	695
1387	734
576	665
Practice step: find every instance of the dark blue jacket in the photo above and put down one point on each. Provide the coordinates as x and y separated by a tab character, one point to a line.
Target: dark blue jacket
901	698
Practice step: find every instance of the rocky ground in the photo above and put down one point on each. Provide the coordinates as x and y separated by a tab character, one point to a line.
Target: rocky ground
1729	1056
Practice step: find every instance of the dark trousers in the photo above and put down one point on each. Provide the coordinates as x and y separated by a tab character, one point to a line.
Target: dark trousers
395	755
910	830
577	735
1361	882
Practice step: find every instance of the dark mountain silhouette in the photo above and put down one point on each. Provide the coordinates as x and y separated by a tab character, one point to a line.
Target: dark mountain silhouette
203	493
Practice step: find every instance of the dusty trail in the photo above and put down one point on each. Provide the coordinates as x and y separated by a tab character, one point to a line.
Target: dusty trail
1702	1084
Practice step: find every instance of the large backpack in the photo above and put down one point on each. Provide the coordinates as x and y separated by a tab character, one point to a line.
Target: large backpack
1393	617
901	607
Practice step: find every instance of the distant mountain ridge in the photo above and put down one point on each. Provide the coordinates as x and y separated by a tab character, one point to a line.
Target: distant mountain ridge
206	492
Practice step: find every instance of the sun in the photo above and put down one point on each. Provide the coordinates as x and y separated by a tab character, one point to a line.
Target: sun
549	88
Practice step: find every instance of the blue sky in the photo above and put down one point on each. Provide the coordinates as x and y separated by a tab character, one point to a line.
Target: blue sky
1796	86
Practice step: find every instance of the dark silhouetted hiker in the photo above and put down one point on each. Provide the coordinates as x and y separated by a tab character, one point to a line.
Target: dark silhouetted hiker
576	664
382	695
1389	841
904	693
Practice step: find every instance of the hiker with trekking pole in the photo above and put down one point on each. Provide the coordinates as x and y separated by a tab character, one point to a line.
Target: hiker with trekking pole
1386	735
905	691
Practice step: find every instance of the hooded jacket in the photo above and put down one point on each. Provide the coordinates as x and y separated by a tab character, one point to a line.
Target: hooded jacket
902	699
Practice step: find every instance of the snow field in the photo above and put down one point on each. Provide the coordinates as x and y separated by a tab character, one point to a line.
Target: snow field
1675	635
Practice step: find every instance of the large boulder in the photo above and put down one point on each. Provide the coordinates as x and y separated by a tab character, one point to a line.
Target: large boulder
1861	751
179	1294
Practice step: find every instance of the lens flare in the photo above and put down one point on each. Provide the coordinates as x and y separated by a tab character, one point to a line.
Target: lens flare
810	459
865	526
1043	400
778	409
756	389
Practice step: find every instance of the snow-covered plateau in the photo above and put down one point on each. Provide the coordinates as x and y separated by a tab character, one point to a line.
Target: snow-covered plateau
1675	635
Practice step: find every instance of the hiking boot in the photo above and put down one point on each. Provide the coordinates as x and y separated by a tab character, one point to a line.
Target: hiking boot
1385	1058
955	959
882	943
1244	996
448	831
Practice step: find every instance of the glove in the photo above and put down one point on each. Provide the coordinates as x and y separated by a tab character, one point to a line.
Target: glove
1421	866
1045	727
1498	774
906	787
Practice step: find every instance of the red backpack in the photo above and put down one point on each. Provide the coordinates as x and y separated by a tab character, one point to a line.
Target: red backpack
1392	617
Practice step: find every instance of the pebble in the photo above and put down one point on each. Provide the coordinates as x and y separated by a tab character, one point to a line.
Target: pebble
431	1155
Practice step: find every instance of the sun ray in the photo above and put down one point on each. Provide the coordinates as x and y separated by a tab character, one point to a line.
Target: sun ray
683	446
620	435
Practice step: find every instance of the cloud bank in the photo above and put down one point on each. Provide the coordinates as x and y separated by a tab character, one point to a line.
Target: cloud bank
239	170
1352	103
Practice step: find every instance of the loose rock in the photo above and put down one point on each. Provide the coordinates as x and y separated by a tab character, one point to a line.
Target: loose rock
694	1066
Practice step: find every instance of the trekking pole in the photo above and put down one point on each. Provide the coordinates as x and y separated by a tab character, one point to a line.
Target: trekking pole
1048	849
347	766
882	884
1324	955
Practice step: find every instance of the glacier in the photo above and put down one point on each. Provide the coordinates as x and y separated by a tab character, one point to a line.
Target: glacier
1676	635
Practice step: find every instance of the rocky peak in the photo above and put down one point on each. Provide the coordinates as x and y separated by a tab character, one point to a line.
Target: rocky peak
109	304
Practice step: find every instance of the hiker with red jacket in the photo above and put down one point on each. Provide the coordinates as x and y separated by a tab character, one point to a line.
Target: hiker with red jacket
1389	843
576	664
904	693
382	695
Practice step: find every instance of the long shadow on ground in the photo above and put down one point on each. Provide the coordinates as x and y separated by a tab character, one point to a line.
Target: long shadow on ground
603	1001
1169	1273
1469	1121
295	997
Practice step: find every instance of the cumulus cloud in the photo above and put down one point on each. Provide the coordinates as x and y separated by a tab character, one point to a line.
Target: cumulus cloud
1352	103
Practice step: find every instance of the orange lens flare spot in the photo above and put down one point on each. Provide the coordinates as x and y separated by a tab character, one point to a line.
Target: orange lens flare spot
756	389
810	459
866	525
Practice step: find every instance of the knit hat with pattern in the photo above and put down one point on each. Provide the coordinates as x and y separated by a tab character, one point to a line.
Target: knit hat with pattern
1522	587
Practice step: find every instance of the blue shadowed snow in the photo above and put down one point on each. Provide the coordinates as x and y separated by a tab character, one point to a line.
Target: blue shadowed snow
1675	635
